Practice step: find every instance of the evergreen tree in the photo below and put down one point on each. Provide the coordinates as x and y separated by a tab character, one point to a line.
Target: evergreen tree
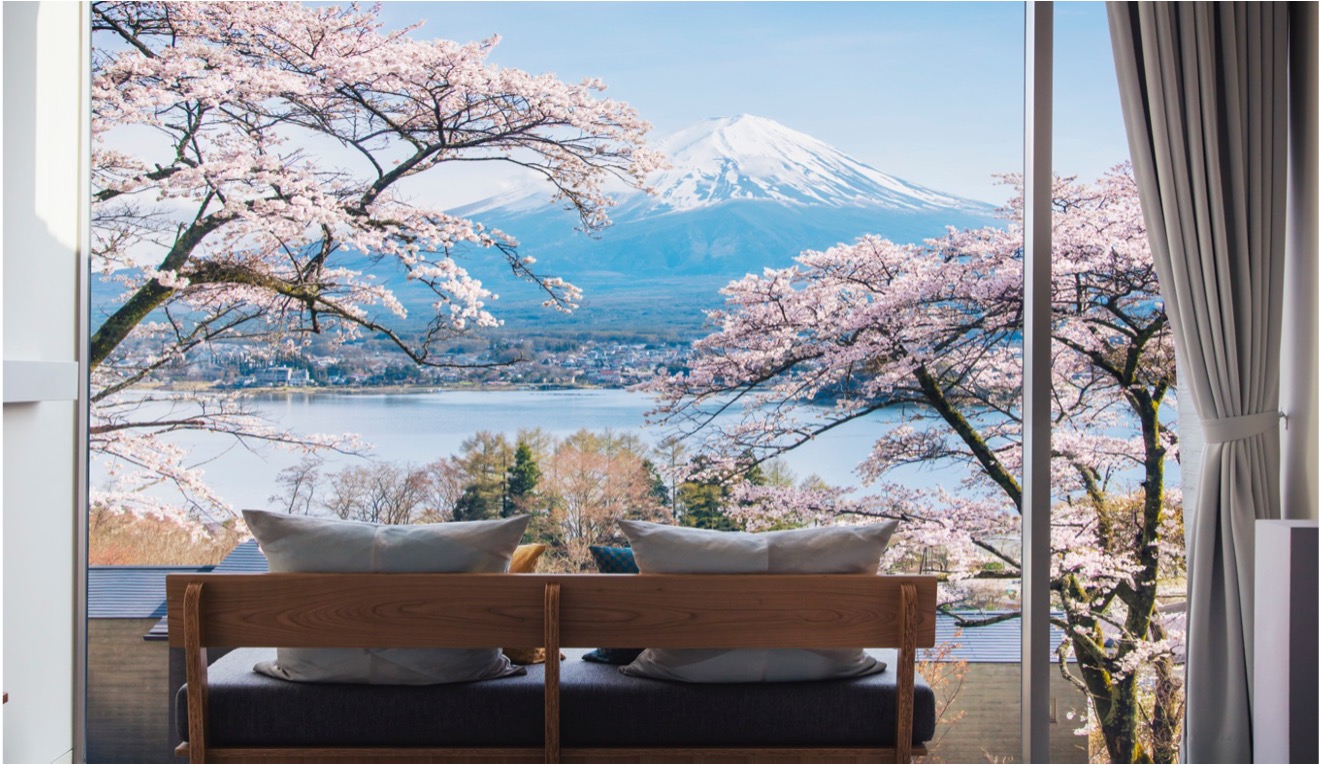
703	505
472	505
485	461
705	501
659	490
755	475
524	475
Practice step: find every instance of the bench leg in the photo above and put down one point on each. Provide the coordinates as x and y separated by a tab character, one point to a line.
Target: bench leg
195	664
907	669
552	672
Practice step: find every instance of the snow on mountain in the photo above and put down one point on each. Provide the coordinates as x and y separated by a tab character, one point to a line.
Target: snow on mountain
748	157
751	158
741	194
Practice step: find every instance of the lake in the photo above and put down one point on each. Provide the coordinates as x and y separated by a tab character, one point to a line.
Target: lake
421	427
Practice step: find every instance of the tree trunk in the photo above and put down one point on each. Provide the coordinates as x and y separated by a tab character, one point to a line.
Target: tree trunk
1166	718
150	296
1119	708
1120	732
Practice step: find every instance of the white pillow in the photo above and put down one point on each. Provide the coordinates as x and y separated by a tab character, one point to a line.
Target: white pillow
308	544
663	549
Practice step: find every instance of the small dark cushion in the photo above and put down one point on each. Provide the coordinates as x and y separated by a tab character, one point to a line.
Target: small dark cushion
606	656
613	561
600	707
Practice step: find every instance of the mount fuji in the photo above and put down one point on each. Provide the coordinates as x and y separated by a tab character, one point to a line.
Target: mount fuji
741	193
751	158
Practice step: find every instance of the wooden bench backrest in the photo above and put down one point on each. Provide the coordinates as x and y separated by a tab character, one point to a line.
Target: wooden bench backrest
474	610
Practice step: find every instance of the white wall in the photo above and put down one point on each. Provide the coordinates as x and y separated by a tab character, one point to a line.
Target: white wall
42	200
1283	695
1299	379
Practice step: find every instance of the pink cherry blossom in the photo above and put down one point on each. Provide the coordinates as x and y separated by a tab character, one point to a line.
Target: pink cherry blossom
251	167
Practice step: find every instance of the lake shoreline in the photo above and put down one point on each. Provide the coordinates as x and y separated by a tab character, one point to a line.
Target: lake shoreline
402	388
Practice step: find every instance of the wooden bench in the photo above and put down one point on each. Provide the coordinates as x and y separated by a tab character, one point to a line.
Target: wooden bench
476	610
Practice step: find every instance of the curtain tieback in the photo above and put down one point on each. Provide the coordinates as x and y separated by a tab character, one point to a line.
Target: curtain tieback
1220	430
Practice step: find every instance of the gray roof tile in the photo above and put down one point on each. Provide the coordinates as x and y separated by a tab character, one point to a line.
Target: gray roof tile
128	592
1000	642
247	557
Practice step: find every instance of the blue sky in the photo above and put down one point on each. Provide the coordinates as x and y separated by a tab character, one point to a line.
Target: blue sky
930	92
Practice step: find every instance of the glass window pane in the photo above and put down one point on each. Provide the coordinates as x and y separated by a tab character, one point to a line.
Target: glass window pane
809	316
1118	561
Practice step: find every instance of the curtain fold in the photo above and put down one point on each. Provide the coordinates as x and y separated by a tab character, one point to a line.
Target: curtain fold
1204	88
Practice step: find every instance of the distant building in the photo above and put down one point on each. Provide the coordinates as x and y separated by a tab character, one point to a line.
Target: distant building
989	700
132	673
127	671
281	376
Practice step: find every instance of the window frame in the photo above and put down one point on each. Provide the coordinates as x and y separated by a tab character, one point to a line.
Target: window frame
1038	44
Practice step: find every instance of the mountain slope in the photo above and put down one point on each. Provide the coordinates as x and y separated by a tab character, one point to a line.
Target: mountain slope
742	193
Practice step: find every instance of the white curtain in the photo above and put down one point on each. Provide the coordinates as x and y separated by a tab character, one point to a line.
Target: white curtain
1205	100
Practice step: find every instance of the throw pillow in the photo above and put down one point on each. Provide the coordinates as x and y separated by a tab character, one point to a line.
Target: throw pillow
663	549
308	544
524	562
613	561
525	558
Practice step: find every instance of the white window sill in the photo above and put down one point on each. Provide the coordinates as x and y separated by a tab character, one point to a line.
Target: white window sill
27	381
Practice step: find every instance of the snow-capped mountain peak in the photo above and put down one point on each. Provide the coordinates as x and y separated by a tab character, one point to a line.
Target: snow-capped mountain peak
752	158
749	157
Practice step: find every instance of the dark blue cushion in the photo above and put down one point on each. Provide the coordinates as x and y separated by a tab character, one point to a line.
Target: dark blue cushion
599	707
247	709
613	561
612	656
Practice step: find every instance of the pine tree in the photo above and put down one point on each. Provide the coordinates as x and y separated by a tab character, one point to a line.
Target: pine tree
485	461
703	505
524	475
471	505
659	490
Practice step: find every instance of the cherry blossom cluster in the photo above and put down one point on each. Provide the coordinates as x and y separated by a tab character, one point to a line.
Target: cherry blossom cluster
256	169
932	332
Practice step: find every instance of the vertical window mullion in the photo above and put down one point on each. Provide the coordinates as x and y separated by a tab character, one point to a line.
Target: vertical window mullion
1036	212
83	406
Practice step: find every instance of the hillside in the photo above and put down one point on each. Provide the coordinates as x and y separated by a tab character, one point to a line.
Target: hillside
742	194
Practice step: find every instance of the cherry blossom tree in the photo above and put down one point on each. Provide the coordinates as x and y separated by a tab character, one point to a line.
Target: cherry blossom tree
255	173
931	333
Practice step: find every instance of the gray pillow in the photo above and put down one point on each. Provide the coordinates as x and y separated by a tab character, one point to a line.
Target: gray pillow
308	544
663	549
